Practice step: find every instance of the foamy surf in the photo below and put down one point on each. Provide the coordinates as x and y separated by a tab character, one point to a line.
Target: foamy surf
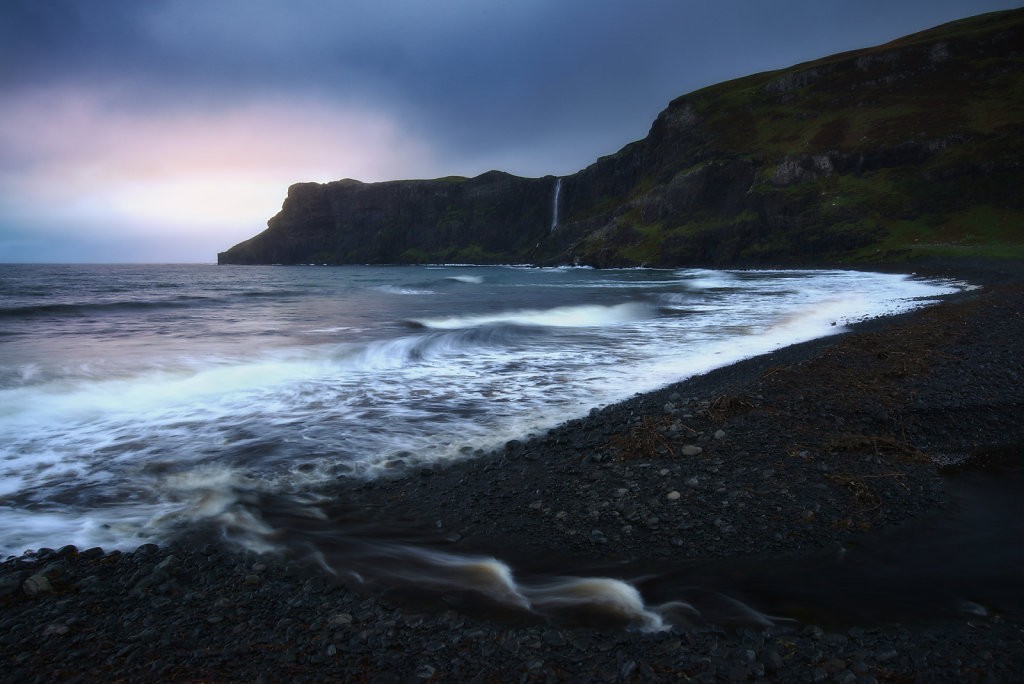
559	317
293	376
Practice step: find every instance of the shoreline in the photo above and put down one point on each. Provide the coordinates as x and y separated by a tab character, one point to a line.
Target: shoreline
814	448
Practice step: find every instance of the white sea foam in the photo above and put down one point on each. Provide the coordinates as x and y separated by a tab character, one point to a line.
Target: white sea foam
98	418
412	291
592	315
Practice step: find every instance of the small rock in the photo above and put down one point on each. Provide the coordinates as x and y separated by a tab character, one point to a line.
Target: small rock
691	450
339	619
167	564
719	434
814	632
673	495
554	638
771	660
149	636
9	584
37	584
738	673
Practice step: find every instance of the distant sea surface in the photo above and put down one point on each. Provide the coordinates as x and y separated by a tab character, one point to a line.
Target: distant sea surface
136	398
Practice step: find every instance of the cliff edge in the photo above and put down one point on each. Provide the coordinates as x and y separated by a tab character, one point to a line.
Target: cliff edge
911	149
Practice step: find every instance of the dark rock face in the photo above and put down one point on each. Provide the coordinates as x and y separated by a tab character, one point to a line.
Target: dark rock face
492	218
909	149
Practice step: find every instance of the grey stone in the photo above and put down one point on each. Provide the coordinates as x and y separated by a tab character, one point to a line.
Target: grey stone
691	450
771	660
56	629
814	632
554	638
339	619
166	565
9	584
37	584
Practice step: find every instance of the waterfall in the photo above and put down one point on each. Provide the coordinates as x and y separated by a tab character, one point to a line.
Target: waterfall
554	212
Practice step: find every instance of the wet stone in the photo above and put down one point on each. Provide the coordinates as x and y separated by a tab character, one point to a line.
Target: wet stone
9	584
37	584
554	638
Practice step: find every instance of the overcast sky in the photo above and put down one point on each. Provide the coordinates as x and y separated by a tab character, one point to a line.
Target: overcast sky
169	130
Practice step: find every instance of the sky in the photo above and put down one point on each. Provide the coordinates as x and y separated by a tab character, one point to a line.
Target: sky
169	130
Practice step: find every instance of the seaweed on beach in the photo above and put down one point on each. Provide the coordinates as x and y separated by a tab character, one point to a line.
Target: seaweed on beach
649	438
729	405
644	440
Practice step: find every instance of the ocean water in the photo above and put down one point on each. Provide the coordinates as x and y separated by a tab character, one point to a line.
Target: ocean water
135	399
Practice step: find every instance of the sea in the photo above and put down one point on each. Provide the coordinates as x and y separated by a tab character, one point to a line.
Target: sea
136	400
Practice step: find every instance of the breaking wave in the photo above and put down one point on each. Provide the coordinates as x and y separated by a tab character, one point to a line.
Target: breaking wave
593	315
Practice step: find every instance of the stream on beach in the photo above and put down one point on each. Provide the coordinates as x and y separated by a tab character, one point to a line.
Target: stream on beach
137	400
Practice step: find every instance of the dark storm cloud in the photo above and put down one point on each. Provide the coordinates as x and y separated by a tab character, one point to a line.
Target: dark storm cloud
478	78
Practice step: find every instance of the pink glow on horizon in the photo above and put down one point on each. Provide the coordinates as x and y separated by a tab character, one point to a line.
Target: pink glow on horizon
82	157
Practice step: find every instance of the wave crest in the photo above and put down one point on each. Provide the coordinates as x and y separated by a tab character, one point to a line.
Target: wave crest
583	316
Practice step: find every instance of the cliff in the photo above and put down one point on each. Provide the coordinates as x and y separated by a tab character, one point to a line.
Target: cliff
909	149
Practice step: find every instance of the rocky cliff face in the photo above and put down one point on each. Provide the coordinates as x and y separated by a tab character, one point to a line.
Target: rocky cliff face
913	148
492	218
